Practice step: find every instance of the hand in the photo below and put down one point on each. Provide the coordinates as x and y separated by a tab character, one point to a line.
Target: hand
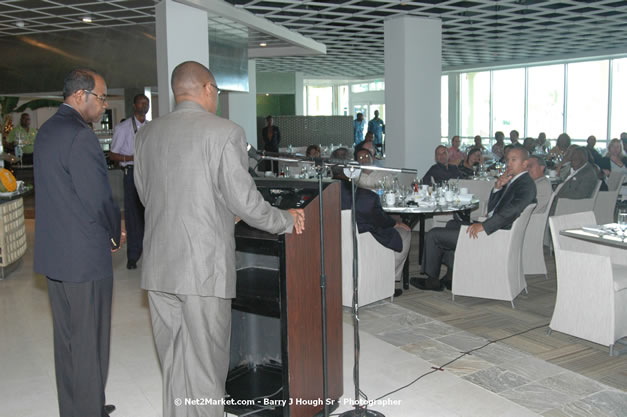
502	180
299	220
237	219
474	229
402	226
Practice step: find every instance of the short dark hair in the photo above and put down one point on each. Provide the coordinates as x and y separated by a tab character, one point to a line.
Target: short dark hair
359	147
311	148
138	97
342	154
79	79
472	151
499	134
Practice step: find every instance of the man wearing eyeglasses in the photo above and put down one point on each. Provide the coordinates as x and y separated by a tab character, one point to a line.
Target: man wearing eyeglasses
122	151
189	246
76	228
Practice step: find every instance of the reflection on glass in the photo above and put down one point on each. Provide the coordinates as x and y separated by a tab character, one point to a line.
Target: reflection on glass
475	103
545	102
587	99
444	108
508	101
619	104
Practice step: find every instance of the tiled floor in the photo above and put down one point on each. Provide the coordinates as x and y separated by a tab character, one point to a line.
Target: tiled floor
397	345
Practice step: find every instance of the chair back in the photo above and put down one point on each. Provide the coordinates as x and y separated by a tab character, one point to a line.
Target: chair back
533	244
605	203
570	221
568	205
615	180
481	191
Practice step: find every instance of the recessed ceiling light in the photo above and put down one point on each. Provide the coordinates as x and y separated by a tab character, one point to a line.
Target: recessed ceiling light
87	19
20	24
262	44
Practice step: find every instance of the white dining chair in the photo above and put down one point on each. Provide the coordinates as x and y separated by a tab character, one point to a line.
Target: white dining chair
591	301
569	205
375	266
533	244
491	266
605	204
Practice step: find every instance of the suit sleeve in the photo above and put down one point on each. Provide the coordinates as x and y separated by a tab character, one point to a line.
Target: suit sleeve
524	195
240	191
90	178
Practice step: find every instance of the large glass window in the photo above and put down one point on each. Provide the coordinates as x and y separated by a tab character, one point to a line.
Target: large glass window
444	108
545	101
319	101
359	88
619	104
475	104
508	101
587	99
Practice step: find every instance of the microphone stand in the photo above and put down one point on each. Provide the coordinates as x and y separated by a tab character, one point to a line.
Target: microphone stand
352	170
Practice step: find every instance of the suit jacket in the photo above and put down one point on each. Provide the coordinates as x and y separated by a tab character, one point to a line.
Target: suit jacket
580	185
273	144
441	172
371	217
77	219
509	202
191	204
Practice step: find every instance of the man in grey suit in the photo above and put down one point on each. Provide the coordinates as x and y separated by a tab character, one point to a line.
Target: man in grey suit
536	167
581	182
76	229
189	244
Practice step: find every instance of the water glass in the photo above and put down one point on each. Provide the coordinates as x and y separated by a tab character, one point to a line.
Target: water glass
622	220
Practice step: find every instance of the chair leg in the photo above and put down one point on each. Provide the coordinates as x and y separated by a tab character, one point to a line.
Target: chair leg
611	350
513	306
526	291
452	297
549	331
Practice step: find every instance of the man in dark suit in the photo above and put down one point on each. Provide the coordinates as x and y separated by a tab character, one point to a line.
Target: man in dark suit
512	193
76	228
581	182
441	170
370	216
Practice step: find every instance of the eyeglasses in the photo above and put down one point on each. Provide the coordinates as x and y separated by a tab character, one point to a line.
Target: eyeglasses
364	157
216	87
102	99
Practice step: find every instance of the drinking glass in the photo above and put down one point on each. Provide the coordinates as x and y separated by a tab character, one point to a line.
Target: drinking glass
622	220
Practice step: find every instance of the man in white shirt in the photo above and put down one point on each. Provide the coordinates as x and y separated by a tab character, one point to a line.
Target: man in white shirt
123	151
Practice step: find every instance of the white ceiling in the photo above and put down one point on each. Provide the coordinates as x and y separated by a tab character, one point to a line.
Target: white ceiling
475	33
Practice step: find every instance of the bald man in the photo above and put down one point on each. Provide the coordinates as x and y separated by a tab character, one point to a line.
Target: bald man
189	244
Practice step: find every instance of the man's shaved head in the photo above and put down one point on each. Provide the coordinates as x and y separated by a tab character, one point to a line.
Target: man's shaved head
189	77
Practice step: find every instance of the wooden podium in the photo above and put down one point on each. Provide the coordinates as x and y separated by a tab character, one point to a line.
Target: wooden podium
276	338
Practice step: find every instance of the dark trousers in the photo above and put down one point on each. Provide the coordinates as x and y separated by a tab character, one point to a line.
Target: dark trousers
81	319
439	247
133	217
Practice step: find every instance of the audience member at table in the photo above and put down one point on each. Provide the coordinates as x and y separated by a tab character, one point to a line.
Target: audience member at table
512	193
561	145
590	143
455	155
530	145
478	143
313	151
563	168
536	167
542	145
581	181
615	160
358	128
369	179
370	216
442	170
498	147
513	137
472	161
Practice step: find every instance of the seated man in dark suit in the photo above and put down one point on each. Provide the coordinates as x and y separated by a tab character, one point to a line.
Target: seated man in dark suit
441	170
512	193
581	181
371	217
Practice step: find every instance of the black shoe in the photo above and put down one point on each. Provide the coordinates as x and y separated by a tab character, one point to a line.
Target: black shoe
131	265
109	408
447	283
398	292
427	284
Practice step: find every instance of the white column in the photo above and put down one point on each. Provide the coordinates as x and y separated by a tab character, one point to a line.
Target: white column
299	82
182	35
413	69
453	105
241	108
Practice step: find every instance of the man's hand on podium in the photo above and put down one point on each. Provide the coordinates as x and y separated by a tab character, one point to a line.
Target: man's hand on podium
299	220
